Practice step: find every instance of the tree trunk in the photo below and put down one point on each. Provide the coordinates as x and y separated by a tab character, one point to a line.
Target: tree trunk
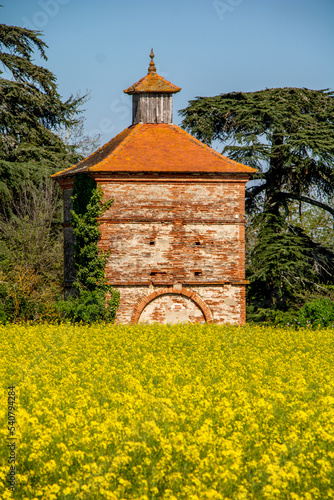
274	176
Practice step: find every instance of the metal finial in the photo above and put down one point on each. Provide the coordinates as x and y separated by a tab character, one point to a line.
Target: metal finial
152	68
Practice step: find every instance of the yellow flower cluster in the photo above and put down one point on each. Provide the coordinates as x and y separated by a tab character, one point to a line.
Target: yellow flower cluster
193	412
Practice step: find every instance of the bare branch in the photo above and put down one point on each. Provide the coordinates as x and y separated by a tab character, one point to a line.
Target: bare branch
306	199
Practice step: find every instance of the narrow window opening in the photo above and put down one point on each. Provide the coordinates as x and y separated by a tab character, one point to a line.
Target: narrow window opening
198	273
197	243
155	273
152	242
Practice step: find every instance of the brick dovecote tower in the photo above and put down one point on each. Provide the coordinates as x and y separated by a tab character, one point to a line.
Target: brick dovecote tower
176	229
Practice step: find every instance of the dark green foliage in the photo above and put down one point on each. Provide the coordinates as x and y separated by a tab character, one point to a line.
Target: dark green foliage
281	263
314	314
285	263
92	303
23	297
87	207
288	135
31	110
274	316
3	317
84	190
32	117
319	312
89	307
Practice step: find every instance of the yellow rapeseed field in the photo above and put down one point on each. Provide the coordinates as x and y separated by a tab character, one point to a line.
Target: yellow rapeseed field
168	412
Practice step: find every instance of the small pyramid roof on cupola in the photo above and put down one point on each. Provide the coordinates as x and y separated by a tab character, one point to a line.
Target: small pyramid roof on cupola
152	82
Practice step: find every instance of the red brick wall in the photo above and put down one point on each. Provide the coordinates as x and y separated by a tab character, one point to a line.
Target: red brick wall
161	232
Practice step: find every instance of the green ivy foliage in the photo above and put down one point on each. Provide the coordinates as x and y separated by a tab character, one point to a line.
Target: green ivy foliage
87	207
92	303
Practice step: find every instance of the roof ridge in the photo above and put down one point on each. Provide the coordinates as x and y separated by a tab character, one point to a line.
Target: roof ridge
95	153
208	148
199	143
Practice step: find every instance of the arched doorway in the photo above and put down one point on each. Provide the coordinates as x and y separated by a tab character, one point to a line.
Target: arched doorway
171	306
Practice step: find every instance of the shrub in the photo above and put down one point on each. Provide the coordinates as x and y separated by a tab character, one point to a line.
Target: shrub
319	312
25	296
89	307
273	316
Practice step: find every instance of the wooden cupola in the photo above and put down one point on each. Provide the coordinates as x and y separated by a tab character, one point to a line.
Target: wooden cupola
152	97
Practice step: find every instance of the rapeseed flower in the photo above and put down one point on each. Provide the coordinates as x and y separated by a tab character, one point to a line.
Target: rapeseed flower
169	412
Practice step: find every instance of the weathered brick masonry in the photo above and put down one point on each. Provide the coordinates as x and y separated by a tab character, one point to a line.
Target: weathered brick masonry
165	232
176	228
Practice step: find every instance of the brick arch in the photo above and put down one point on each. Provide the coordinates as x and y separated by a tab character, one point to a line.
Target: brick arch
171	291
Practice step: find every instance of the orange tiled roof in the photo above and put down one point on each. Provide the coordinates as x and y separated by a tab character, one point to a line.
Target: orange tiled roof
147	147
152	83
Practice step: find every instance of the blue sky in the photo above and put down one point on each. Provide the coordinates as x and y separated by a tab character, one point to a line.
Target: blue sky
207	47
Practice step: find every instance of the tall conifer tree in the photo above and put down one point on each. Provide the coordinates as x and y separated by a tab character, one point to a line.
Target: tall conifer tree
288	135
31	111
